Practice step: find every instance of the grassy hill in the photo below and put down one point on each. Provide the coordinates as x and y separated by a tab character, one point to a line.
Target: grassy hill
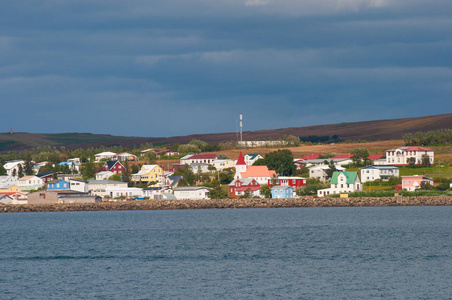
370	131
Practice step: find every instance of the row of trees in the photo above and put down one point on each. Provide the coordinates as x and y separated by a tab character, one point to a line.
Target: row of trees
429	138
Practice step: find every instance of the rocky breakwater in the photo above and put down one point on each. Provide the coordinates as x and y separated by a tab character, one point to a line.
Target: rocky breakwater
231	203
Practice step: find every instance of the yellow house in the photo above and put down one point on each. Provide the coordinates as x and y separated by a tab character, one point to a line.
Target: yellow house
148	173
9	189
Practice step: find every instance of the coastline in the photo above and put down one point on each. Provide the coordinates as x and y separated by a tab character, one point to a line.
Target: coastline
231	203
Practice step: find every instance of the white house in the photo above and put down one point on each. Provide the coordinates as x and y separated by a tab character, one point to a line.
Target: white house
377	172
319	171
402	155
221	164
28	183
104	155
7	180
99	187
342	182
12	165
191	193
115	192
78	185
198	159
200	168
250	159
260	173
125	157
104	175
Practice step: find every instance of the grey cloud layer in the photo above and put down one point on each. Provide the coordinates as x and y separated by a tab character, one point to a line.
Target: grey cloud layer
181	67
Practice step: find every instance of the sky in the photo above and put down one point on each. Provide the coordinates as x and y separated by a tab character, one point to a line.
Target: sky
156	68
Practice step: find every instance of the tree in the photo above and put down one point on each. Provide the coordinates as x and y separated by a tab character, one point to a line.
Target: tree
259	162
88	171
115	177
360	156
311	188
216	192
331	168
425	160
2	170
266	191
222	156
151	157
126	174
188	149
411	161
187	174
28	169
291	140
281	161
21	171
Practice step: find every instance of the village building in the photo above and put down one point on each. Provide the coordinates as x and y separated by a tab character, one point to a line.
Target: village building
114	166
342	182
128	192
51	197
9	189
191	193
125	157
250	159
99	187
12	167
5	199
198	159
58	185
412	183
292	181
260	173
104	175
319	171
378	172
104	155
6	179
28	183
148	174
403	155
240	187
282	192
45	176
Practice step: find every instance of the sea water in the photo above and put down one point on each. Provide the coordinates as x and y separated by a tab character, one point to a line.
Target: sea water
283	253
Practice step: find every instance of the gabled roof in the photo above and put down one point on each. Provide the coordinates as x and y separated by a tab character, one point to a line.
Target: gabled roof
56	180
253	155
282	187
110	164
244	181
240	160
27	177
380	167
350	175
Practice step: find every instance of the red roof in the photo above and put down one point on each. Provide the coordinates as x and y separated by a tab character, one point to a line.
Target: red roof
375	156
417	148
311	156
203	156
240	160
341	156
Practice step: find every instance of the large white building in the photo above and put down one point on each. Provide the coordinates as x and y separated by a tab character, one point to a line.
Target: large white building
402	155
28	183
377	172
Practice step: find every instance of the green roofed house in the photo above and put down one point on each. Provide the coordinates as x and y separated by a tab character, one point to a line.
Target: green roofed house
342	182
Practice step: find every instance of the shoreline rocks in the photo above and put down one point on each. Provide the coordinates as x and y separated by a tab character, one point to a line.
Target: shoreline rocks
231	203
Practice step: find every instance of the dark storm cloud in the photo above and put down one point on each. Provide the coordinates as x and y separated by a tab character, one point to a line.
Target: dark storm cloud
178	67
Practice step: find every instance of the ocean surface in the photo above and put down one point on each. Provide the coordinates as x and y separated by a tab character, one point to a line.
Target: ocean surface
282	253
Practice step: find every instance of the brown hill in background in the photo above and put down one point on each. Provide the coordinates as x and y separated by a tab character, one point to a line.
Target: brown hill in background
369	131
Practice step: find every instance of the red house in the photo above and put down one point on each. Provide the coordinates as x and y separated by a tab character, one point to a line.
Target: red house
113	166
294	182
239	187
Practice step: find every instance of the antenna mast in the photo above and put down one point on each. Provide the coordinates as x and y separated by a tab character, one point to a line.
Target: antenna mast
241	127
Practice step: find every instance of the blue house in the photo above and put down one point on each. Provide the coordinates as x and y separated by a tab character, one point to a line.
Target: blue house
283	192
58	185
